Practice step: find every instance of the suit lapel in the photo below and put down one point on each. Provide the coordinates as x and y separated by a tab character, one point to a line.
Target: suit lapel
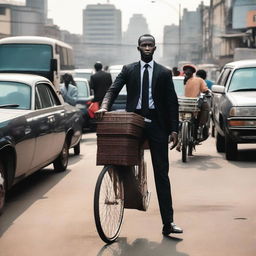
154	77
137	76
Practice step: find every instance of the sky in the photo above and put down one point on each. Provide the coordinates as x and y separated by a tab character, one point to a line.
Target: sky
67	14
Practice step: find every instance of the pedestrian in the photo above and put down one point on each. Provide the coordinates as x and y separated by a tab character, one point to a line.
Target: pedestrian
202	73
106	68
100	82
151	94
175	71
194	86
68	89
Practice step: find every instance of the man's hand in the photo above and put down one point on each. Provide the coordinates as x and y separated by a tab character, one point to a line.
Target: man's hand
100	113
173	139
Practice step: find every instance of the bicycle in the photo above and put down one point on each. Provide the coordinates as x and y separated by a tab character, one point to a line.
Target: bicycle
119	187
188	110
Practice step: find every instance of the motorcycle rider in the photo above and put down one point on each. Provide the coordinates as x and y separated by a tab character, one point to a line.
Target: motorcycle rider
194	86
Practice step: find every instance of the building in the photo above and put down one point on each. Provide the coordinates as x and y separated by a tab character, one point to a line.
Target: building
233	26
102	33
39	5
171	45
137	26
191	36
18	20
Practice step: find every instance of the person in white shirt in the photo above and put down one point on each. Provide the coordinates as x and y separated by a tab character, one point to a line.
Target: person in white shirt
68	90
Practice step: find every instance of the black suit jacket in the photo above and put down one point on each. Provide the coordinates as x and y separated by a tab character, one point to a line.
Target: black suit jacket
99	83
164	95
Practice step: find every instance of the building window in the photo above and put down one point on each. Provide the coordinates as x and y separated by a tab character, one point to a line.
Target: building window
254	18
2	10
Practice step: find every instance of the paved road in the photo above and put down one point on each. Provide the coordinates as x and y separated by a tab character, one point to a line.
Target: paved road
52	214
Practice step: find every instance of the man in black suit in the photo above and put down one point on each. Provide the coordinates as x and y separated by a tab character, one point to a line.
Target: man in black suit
100	82
150	93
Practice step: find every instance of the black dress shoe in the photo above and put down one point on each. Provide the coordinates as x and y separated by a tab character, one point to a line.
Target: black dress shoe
171	228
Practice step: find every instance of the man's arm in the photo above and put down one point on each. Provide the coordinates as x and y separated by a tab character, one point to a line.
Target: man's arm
172	103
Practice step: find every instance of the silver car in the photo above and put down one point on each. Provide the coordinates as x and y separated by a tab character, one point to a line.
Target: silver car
234	107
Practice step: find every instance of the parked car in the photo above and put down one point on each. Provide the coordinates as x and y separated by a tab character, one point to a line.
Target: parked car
234	107
84	99
83	73
36	128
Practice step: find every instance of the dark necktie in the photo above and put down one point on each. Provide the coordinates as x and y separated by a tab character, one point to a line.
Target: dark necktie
145	91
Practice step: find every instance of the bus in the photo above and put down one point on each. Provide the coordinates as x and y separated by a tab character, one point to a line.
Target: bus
43	56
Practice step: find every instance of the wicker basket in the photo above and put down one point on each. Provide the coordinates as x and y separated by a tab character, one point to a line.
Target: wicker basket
119	139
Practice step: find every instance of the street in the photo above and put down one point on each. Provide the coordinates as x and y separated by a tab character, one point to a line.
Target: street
214	202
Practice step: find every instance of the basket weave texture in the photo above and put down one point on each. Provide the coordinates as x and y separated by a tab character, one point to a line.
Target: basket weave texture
119	139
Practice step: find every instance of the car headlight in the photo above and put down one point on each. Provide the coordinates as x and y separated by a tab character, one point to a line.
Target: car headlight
242	111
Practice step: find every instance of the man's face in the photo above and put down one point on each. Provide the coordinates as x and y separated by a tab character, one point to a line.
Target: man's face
147	48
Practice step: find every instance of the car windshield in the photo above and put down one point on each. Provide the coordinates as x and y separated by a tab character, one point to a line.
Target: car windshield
243	79
20	57
17	95
83	89
179	86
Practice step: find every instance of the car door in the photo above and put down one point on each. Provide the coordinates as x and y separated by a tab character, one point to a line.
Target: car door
45	149
219	98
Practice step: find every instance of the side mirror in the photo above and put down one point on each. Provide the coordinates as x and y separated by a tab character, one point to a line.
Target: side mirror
54	65
218	89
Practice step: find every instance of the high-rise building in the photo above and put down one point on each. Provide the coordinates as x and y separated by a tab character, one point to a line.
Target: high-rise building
40	5
137	26
102	32
18	20
171	45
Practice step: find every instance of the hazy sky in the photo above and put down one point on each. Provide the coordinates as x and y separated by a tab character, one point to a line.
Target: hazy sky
67	14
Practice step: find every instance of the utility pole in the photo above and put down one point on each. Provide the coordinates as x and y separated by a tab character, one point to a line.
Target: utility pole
179	47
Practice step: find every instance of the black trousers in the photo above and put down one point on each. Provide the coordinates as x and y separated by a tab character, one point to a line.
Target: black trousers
158	143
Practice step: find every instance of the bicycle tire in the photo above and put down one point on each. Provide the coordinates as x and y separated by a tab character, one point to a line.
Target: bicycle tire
109	204
184	141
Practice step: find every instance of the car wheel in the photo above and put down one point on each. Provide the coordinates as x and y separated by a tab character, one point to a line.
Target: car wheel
220	143
77	149
2	187
230	149
61	162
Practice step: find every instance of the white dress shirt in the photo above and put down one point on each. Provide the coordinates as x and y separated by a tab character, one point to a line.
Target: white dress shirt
150	73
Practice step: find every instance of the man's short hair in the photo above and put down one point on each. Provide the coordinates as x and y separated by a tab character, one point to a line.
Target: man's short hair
98	66
201	73
146	35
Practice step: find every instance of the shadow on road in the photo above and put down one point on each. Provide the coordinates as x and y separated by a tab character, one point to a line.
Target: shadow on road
27	192
200	162
143	247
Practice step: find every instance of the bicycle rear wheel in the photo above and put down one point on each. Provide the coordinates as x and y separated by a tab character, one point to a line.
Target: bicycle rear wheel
184	141
109	204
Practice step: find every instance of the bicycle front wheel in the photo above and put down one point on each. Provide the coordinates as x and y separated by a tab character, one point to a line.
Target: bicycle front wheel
109	204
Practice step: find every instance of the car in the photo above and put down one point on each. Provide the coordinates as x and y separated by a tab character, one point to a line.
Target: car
234	107
36	128
84	99
178	82
83	73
